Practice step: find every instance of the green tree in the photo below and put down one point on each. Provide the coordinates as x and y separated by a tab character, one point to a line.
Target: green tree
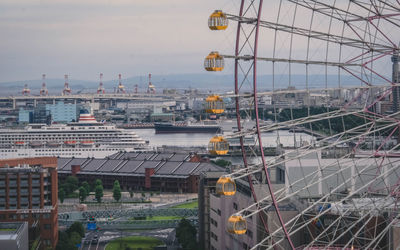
98	182
64	242
116	190
67	188
61	195
82	194
86	185
222	163
76	227
75	238
186	234
99	193
73	182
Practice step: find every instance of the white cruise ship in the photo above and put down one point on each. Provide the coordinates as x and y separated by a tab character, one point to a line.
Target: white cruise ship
86	138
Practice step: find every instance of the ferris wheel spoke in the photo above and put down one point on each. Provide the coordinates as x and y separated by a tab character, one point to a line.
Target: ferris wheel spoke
278	162
347	41
307	62
366	209
326	9
391	5
351	161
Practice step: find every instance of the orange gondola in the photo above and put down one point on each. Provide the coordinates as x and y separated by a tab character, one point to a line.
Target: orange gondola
214	62
218	20
214	104
218	146
237	225
225	186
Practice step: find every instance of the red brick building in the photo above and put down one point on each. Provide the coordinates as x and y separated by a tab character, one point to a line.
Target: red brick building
164	172
28	192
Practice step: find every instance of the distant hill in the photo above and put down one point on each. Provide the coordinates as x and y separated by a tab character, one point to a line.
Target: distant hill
207	81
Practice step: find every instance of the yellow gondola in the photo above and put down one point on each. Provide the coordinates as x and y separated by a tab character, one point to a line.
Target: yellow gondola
237	225
226	186
218	21
214	62
218	146
215	104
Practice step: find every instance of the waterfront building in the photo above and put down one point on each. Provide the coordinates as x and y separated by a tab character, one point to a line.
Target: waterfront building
14	235
163	172
63	112
25	116
29	193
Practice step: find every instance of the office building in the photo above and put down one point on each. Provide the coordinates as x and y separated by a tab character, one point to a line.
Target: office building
63	112
28	192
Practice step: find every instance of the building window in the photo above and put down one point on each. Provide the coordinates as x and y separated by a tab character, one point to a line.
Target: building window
214	236
47	226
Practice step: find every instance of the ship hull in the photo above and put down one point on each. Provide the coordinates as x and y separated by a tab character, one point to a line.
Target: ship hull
100	152
171	129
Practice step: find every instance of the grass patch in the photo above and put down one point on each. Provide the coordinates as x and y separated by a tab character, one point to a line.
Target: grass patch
134	242
116	202
164	218
7	229
155	218
193	204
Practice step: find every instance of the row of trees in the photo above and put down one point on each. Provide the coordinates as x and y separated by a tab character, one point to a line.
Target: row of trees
186	235
71	184
69	239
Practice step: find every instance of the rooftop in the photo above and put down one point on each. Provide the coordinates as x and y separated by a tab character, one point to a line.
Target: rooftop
9	230
174	165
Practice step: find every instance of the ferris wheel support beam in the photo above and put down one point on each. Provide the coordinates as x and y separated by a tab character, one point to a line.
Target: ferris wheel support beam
267	176
317	90
339	13
352	42
322	213
270	59
297	122
256	168
244	153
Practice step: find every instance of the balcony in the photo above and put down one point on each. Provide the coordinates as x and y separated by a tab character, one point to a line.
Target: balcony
12	192
24	192
35	183
35	192
23	184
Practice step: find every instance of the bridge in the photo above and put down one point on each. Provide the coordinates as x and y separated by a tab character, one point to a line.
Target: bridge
125	218
13	100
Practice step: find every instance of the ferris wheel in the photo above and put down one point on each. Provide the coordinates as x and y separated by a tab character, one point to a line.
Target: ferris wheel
328	69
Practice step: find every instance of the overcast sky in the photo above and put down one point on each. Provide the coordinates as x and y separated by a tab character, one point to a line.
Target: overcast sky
84	38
